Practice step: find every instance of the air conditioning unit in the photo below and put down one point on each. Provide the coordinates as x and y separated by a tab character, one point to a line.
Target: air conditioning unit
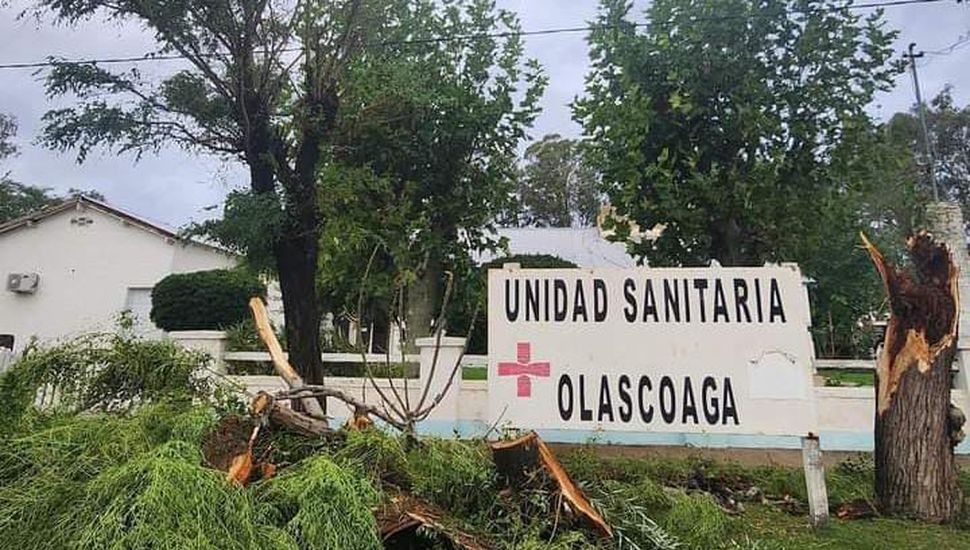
23	283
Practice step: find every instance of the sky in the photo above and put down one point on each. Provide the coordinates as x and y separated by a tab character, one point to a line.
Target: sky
175	187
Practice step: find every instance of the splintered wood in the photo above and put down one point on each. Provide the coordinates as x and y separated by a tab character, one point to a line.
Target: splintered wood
916	474
518	462
400	519
282	366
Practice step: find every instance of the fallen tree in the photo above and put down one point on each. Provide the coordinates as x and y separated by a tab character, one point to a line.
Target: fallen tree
916	426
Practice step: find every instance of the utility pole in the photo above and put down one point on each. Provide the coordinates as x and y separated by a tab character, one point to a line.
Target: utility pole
921	109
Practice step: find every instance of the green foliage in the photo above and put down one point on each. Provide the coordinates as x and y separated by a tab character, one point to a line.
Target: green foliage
631	509
751	143
377	454
250	225
322	504
697	520
530	261
458	476
17	199
166	499
203	300
101	372
8	129
949	133
556	188
47	469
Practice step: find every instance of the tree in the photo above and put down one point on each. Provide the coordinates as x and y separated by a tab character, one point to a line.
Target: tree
949	134
425	148
16	199
916	426
750	142
260	84
718	119
8	129
557	188
875	189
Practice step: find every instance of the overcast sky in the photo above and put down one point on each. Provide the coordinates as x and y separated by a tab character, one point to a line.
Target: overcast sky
175	187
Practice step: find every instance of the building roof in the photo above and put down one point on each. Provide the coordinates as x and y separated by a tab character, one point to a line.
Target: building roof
80	201
583	246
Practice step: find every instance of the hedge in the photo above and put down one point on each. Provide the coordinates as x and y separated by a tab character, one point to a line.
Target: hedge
204	300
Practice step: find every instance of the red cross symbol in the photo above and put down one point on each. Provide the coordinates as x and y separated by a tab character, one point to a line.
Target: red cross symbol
523	368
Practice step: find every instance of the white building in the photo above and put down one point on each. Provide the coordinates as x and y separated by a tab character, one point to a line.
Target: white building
583	246
73	267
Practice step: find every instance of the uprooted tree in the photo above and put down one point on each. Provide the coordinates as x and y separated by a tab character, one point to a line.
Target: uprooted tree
916	426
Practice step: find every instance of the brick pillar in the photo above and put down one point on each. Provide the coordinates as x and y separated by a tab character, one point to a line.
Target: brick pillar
945	221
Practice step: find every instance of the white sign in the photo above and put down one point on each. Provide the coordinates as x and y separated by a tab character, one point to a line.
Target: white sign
721	350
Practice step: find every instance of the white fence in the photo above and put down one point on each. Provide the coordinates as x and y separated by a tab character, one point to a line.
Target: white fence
7	358
845	413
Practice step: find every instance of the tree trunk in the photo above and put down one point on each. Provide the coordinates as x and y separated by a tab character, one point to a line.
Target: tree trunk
296	261
520	464
916	473
423	296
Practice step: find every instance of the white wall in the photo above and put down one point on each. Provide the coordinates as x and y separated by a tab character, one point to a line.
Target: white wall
86	271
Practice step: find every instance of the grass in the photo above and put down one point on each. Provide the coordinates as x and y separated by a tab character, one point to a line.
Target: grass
842	377
688	515
474	373
770	524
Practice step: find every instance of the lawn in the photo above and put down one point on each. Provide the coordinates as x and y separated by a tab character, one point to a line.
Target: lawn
689	498
768	524
840	377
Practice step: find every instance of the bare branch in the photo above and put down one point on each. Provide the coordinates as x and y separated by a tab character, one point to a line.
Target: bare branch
439	327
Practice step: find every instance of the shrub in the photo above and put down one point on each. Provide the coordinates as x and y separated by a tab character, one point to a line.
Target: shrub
101	372
531	261
204	300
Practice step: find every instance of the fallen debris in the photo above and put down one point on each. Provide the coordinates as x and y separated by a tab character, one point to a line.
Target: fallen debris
400	520
520	461
856	509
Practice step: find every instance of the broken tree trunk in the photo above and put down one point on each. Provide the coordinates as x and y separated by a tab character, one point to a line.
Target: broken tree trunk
519	461
916	474
286	371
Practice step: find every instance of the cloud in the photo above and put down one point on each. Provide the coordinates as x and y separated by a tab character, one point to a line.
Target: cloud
176	186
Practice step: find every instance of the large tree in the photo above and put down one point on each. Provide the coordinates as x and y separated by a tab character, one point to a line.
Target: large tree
260	83
557	187
747	137
426	146
948	127
718	118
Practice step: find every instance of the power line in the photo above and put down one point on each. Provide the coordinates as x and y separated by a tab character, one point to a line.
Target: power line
151	57
962	41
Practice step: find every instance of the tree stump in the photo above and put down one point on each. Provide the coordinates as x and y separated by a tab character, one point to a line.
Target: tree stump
528	461
916	474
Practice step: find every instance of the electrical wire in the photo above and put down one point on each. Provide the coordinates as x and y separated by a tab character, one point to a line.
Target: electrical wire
154	57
